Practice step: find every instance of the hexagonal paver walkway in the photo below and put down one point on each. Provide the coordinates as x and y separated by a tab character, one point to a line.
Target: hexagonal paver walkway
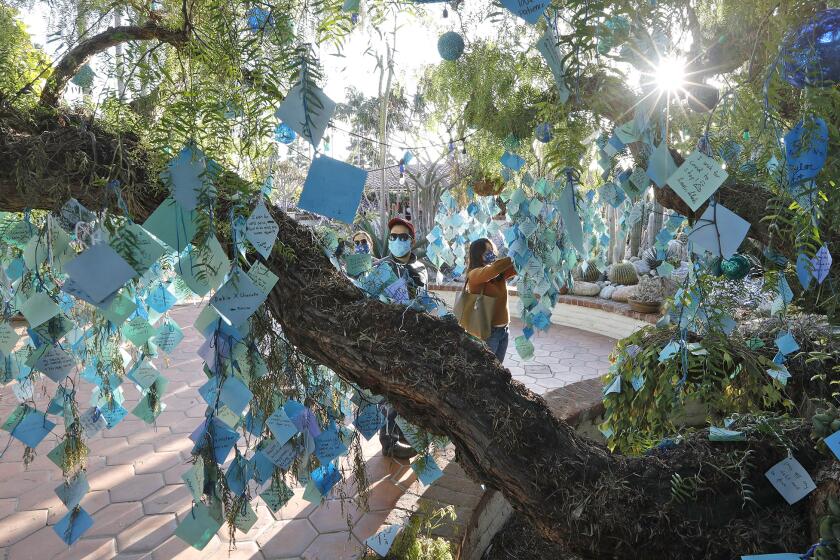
134	471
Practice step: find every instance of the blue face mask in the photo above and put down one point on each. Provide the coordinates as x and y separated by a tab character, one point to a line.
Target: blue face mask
399	247
489	257
362	249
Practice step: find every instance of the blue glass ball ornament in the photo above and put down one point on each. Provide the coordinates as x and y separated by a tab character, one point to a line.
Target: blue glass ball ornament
543	133
284	134
450	46
811	54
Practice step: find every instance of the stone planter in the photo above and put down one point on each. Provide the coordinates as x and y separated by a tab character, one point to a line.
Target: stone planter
644	306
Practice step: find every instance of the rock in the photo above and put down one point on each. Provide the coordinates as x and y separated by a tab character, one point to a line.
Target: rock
641	267
585	289
607	292
622	293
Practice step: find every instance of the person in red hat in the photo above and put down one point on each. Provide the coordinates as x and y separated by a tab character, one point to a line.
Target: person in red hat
407	266
402	259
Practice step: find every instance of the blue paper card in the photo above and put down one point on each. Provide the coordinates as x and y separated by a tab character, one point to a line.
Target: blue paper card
160	298
512	161
235	395
186	176
661	165
821	264
369	420
718	231
238	475
427	470
529	10
280	455
806	149
261	230
238	298
786	343
71	492
333	189
262	466
833	443
281	426
32	428
328	446
325	477
100	271
614	386
308	119
790	478
571	219
668	351
803	270
73	525
381	542
697	179
547	45
172	224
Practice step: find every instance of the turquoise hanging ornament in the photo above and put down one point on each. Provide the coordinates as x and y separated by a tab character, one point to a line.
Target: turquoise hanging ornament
736	267
450	46
84	77
543	133
284	134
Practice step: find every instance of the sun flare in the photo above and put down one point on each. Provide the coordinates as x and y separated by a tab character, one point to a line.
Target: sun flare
669	75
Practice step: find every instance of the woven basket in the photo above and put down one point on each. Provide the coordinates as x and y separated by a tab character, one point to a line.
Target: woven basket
488	187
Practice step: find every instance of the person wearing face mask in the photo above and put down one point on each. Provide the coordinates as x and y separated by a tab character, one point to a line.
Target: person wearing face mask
488	275
402	259
362	243
406	265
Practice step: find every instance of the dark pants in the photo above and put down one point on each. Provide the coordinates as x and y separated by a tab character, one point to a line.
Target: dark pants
498	342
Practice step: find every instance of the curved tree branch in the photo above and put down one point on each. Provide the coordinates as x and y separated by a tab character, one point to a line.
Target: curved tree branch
72	62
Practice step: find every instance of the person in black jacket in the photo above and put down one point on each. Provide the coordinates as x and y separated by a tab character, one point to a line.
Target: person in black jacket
402	259
406	265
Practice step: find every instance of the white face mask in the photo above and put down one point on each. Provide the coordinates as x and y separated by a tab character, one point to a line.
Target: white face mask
399	247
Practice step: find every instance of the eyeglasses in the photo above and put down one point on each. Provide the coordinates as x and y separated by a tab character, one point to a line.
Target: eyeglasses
360	241
400	236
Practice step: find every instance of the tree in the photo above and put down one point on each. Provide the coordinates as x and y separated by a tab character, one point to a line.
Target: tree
574	491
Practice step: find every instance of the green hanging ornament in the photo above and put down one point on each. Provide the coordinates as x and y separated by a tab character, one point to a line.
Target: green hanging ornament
746	134
84	77
736	268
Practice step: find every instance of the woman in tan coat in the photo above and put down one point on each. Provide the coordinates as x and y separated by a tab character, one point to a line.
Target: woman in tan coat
489	276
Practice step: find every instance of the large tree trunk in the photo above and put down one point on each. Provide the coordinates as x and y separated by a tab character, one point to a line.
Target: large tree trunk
574	491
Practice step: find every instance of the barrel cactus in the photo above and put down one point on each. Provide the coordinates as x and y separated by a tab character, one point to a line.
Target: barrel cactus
623	274
588	271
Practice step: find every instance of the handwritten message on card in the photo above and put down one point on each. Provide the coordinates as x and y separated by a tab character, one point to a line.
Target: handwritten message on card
697	179
790	478
261	230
